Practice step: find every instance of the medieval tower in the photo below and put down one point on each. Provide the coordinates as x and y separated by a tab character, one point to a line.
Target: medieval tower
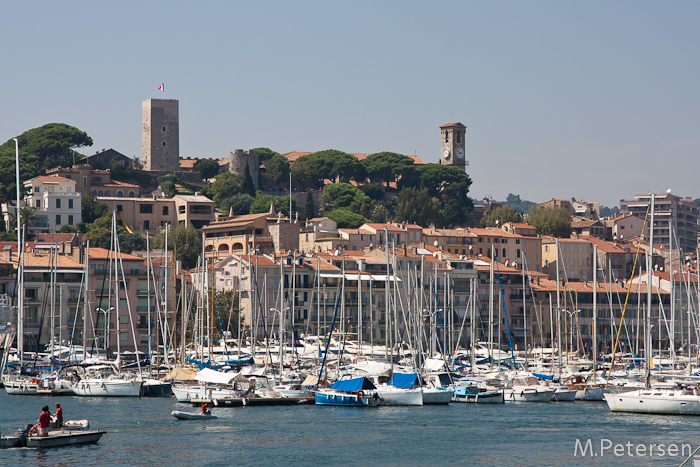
452	147
238	160
160	147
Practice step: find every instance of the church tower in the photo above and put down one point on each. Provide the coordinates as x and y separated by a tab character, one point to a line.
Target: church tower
160	148
452	144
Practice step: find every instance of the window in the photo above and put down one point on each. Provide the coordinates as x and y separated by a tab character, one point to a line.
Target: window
459	136
84	182
571	262
123	336
504	253
580	248
546	248
131	194
119	208
165	210
107	193
580	261
58	204
571	248
163	143
70	219
181	209
447	137
70	204
58	220
120	193
94	192
146	208
146	225
163	128
36	189
38	203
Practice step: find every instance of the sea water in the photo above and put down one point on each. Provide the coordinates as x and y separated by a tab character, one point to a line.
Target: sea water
142	432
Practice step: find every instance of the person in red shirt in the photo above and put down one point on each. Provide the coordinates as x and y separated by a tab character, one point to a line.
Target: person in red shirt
44	420
59	416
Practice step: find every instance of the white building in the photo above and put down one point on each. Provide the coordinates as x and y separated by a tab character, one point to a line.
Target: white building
56	202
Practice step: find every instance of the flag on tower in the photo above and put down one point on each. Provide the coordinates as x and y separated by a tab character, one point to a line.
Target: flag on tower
161	87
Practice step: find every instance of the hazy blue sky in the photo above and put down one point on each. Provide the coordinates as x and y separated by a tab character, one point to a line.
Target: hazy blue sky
595	100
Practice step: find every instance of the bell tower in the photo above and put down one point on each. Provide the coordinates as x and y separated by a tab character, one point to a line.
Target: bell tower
452	144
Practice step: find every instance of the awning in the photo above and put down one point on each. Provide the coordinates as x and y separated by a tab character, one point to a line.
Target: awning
403	380
208	375
353	385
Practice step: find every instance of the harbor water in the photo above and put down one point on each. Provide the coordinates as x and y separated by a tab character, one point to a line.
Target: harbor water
142	432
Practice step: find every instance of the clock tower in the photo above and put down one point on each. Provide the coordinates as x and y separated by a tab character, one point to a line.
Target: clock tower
452	144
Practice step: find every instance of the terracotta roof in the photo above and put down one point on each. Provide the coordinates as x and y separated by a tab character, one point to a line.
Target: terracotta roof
33	260
118	184
49	178
187	163
604	246
43	237
446	125
103	253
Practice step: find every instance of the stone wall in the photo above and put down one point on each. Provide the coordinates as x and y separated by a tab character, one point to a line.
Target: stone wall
238	160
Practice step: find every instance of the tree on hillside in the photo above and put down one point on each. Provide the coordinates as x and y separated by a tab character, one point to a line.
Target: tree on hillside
499	216
40	148
207	168
275	171
386	167
91	209
345	218
343	195
514	201
240	203
419	207
227	309
262	204
309	209
551	221
185	240
313	169
248	184
225	185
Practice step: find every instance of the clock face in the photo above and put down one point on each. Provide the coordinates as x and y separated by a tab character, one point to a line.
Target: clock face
446	153
460	153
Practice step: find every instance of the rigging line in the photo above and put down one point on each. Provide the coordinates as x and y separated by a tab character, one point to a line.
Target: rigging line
505	312
639	283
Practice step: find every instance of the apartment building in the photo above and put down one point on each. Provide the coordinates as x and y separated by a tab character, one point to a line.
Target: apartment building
55	201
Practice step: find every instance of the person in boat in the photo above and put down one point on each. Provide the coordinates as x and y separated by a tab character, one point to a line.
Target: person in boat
44	421
205	411
58	417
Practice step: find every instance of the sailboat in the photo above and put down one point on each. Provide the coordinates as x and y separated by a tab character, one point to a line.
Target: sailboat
673	398
108	380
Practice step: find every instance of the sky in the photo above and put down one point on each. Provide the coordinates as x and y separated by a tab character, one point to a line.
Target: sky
595	100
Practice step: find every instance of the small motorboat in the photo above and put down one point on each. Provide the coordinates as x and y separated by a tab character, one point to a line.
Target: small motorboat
27	438
192	415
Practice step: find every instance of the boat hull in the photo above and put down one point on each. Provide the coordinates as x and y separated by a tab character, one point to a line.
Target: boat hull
437	396
156	389
528	395
564	395
647	402
64	438
346	399
401	396
21	387
108	388
589	394
191	416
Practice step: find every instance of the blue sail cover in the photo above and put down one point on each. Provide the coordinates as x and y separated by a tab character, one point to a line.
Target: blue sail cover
403	380
353	385
544	377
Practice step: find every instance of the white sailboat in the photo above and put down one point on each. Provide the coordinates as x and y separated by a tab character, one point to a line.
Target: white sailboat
660	398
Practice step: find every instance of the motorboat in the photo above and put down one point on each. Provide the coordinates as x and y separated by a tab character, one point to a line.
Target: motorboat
26	437
527	389
355	392
192	415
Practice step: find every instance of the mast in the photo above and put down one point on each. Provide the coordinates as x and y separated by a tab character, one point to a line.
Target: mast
647	319
524	311
556	243
148	298
595	308
86	302
491	310
20	266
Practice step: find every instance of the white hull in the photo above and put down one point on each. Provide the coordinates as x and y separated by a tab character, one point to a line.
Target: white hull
589	394
528	395
21	387
564	394
654	401
436	396
188	393
398	396
108	388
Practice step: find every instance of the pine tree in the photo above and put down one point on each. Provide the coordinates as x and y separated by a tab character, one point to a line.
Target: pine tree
309	210
248	185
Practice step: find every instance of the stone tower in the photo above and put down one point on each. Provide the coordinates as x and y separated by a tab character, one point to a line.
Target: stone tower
160	147
452	144
237	161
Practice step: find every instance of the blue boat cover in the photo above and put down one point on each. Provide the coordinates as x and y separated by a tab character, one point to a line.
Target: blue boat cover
403	380
353	385
541	376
